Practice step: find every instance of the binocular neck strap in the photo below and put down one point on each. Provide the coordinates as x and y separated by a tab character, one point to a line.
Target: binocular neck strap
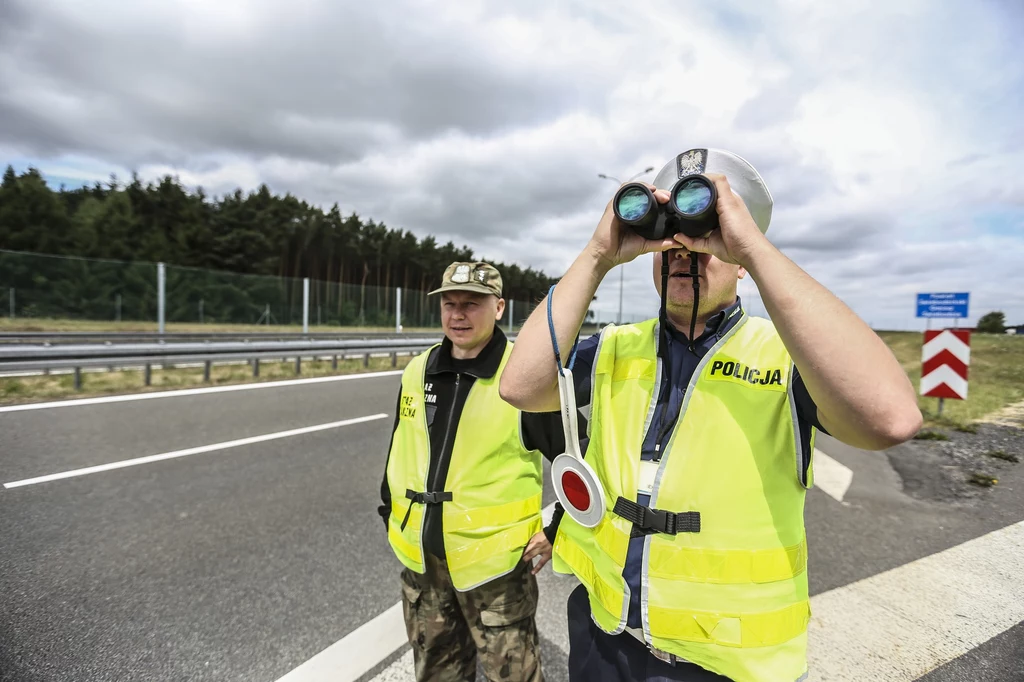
694	275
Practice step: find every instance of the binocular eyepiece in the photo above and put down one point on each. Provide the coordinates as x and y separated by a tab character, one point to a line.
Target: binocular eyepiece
691	209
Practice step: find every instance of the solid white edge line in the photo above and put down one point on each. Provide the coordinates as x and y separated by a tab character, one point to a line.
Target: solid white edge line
365	647
192	451
832	476
194	391
351	657
905	622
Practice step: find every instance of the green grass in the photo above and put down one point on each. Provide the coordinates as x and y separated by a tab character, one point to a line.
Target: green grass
983	480
995	377
1006	456
930	435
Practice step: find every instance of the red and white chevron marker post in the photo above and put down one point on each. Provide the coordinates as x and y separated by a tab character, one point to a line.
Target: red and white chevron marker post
946	355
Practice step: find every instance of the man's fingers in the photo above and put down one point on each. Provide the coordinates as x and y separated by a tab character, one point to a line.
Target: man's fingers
697	244
546	557
654	245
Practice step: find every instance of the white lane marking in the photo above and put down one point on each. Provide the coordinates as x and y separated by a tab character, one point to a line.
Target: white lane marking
898	625
402	670
193	451
360	650
831	476
195	391
366	646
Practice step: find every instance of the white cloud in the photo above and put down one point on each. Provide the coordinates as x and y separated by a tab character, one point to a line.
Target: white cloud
889	134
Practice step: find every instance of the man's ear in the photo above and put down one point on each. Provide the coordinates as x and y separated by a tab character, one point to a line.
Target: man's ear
741	273
501	309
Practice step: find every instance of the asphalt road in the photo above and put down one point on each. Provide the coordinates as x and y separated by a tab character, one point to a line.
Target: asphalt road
243	563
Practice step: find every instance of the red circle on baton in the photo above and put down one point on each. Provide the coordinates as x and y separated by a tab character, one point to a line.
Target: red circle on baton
575	490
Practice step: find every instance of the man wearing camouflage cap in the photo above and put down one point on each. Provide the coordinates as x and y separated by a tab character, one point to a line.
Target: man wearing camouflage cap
462	495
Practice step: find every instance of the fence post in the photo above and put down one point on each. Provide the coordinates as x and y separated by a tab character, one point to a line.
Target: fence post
161	291
398	310
200	311
305	305
119	307
511	314
12	303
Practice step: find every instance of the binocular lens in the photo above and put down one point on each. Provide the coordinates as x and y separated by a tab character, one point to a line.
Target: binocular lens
693	197
633	204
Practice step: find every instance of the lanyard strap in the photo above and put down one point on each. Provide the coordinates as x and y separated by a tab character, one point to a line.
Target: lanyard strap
554	338
566	389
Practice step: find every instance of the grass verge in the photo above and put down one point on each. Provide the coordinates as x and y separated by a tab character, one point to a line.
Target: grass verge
995	377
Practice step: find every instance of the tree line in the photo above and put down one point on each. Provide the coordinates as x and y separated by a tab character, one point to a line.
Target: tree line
255	233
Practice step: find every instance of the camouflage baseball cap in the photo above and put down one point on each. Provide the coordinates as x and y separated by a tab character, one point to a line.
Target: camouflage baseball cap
480	277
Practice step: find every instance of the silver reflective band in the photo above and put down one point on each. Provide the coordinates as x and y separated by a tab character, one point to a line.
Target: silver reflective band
657	653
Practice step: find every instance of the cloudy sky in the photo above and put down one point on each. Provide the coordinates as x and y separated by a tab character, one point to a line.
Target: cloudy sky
891	133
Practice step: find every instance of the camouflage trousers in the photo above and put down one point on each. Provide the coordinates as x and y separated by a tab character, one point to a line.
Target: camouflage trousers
450	630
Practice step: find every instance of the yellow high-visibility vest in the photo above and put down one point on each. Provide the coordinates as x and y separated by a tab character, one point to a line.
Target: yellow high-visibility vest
494	481
733	596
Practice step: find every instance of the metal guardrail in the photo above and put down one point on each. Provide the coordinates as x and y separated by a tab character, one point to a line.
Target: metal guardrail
41	357
61	338
14	354
38	358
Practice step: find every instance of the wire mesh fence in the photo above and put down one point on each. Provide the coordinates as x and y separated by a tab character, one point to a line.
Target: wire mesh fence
38	286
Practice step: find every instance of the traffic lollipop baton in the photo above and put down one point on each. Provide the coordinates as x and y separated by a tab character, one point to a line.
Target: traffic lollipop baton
576	484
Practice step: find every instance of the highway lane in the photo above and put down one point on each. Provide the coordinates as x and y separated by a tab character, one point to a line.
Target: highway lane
46	441
241	564
232	565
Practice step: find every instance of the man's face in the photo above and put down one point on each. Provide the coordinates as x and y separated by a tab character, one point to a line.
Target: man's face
468	317
717	282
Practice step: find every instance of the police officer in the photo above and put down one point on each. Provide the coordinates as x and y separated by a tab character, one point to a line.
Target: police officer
462	495
702	442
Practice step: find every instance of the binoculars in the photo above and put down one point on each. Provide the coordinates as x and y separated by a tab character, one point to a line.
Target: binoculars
691	209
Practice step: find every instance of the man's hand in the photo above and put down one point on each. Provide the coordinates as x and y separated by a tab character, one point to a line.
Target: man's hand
614	243
738	239
538	546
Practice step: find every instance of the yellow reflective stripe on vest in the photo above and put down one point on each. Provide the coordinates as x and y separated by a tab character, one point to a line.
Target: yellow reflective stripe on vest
456	519
398	537
609	597
519	521
767	628
727	566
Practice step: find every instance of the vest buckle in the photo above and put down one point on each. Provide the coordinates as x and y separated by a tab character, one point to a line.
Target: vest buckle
657	520
423	498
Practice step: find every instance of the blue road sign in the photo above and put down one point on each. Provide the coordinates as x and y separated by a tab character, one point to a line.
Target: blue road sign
943	305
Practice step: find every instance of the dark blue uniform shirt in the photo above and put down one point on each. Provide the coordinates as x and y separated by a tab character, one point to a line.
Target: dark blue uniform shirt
670	397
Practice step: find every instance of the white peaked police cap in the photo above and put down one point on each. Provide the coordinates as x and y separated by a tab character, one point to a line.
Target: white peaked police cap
743	178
